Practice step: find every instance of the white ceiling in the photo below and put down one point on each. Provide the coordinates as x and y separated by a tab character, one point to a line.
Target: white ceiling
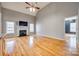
20	6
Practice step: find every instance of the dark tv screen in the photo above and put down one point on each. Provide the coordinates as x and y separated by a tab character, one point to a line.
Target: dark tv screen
23	23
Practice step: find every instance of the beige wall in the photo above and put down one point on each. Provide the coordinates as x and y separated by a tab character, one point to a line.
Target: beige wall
9	15
50	20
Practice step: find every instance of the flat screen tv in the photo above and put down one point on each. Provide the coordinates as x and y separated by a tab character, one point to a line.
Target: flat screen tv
23	23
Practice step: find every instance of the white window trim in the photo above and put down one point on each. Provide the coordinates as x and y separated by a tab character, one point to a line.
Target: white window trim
32	27
12	29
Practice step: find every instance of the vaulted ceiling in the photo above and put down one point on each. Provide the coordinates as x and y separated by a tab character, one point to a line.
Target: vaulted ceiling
21	6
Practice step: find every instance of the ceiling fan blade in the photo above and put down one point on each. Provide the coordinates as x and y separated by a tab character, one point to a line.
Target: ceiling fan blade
29	4
37	7
27	7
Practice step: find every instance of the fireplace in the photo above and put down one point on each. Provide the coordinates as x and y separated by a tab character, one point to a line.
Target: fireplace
22	32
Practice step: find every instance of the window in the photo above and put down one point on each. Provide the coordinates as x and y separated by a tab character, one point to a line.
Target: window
72	27
9	27
31	27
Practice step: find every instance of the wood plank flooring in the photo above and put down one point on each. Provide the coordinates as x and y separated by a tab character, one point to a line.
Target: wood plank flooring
35	46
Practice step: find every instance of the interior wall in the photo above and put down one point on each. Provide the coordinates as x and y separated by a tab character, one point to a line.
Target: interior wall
9	15
50	20
78	28
0	19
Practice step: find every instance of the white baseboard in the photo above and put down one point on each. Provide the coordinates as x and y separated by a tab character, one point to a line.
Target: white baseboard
50	36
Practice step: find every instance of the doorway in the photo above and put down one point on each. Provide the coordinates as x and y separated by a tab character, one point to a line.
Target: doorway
70	33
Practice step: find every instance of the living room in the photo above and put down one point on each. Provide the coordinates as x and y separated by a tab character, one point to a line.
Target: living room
37	29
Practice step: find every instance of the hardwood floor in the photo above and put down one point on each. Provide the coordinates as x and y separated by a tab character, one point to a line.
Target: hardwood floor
35	46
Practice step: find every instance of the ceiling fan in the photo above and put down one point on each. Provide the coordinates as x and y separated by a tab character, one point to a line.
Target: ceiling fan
32	7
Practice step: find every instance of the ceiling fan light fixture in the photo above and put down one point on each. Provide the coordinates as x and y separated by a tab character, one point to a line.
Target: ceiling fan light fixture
32	9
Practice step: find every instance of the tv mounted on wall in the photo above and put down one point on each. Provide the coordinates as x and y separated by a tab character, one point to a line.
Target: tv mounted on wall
23	23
